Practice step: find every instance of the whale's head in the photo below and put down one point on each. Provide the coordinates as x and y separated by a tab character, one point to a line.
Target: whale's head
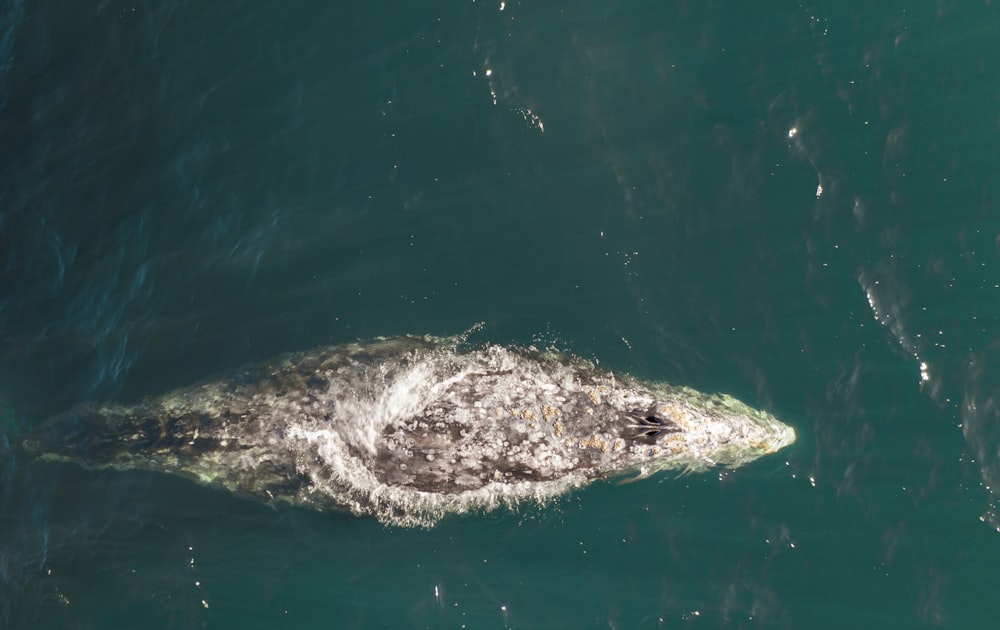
666	427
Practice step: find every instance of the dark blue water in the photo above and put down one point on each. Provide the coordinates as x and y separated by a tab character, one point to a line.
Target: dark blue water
796	203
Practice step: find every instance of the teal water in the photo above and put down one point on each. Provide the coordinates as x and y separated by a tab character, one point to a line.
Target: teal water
797	204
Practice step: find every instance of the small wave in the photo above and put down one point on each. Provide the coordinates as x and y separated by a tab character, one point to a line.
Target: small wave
11	15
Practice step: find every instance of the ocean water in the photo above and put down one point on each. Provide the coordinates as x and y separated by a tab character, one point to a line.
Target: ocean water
796	203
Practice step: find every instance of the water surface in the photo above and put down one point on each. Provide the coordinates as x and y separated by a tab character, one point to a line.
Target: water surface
795	204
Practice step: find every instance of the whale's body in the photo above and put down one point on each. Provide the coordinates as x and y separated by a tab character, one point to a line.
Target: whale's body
411	428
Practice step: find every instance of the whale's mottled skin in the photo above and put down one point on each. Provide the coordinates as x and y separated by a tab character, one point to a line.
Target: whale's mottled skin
411	428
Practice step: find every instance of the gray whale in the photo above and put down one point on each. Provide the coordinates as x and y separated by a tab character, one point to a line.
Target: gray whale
411	428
